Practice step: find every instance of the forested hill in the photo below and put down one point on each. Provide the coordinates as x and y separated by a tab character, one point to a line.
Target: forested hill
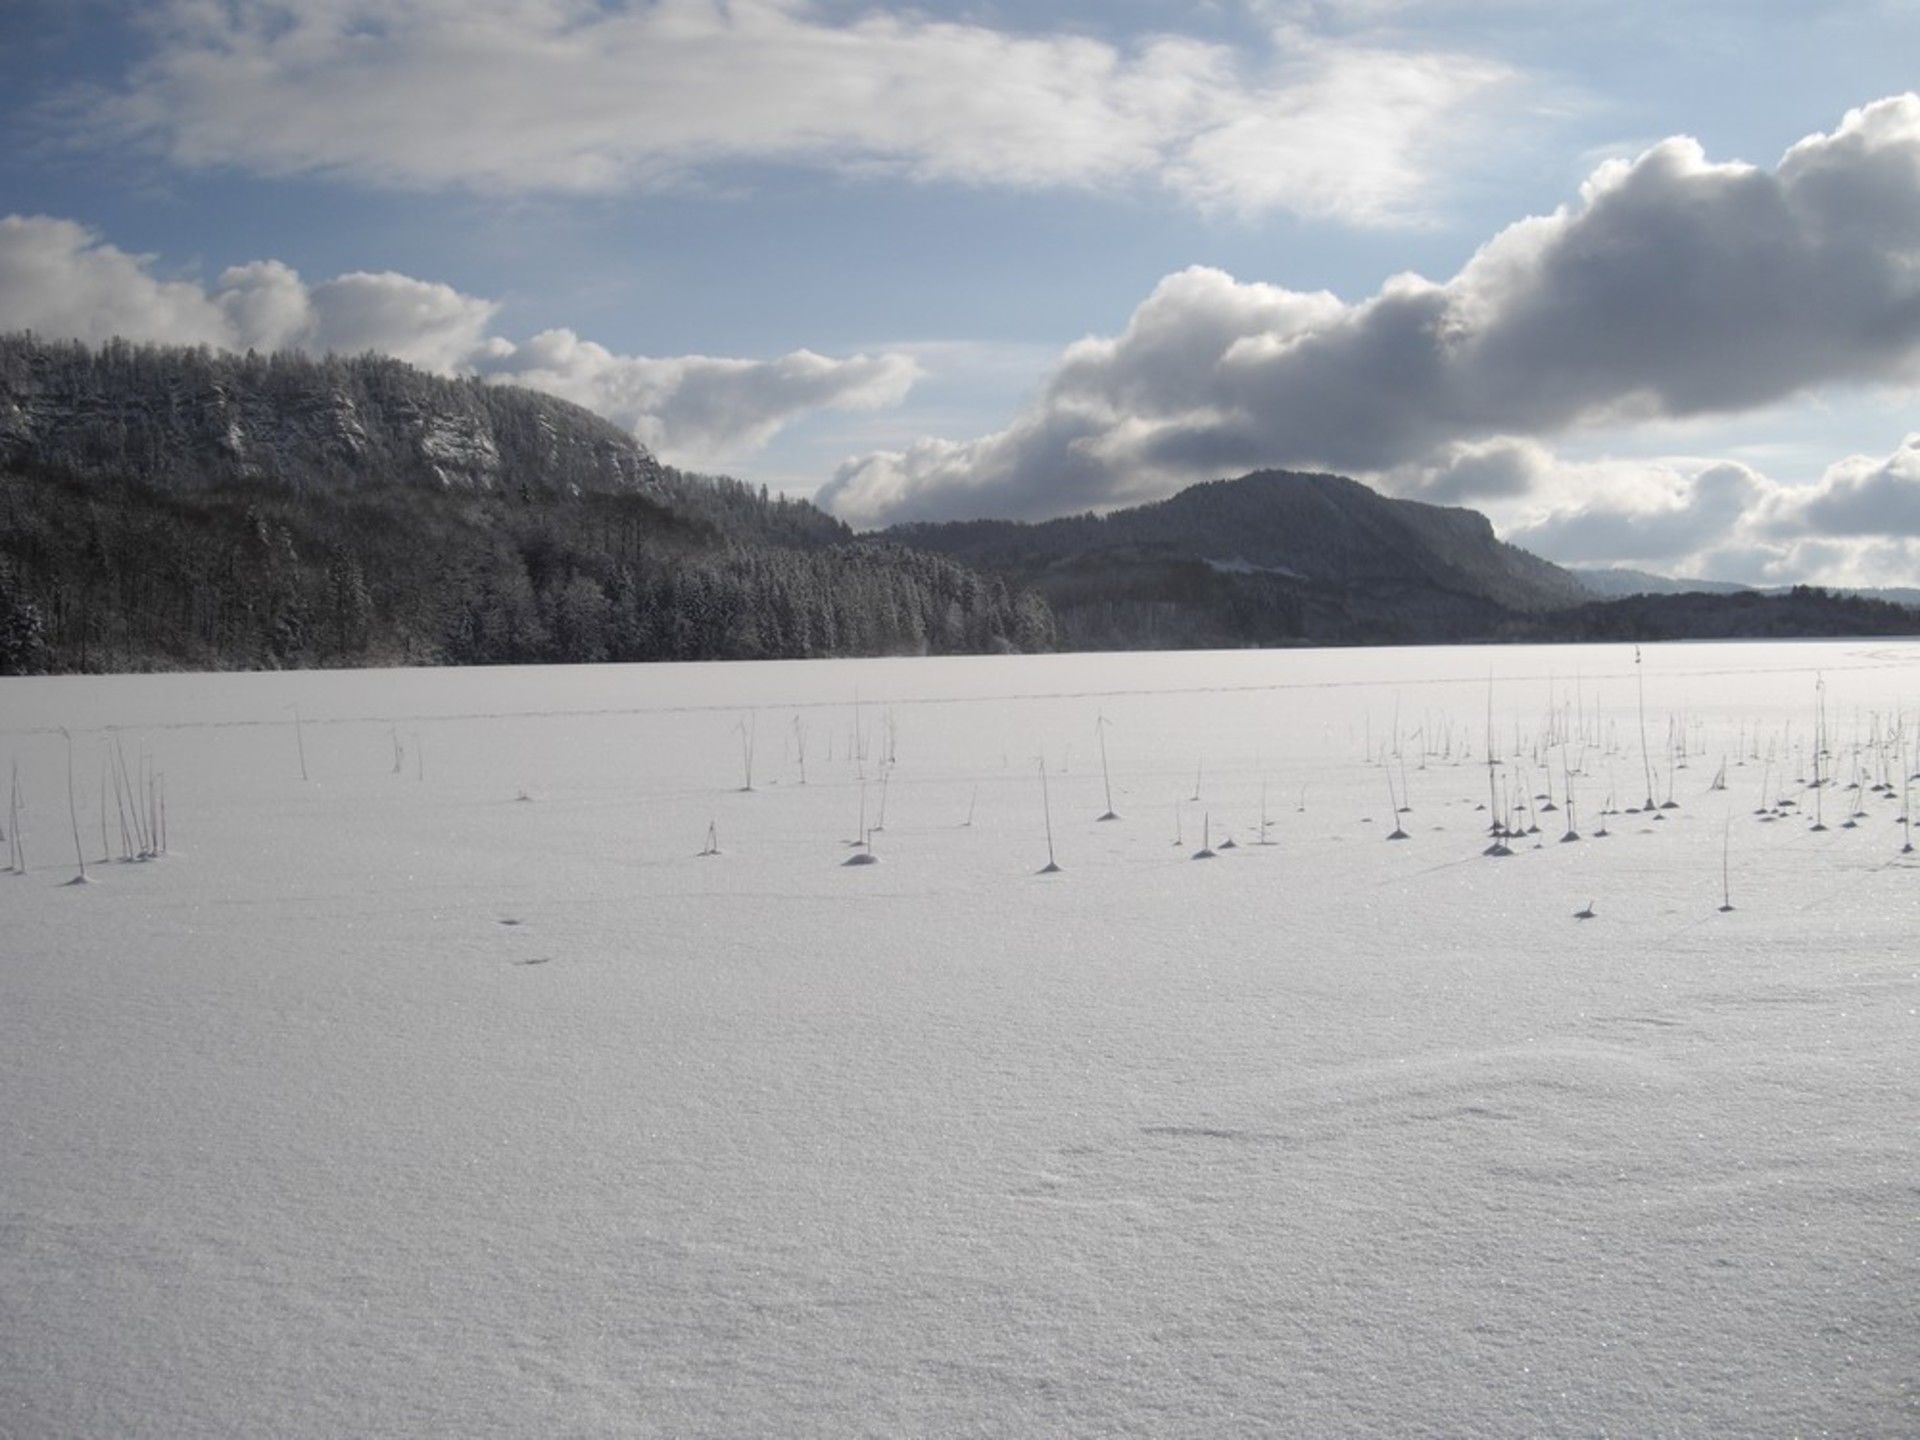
1272	557
164	507
1276	558
180	508
193	418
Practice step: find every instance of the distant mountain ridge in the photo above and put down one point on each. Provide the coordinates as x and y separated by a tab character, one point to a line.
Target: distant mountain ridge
1272	556
1284	558
1618	581
1611	581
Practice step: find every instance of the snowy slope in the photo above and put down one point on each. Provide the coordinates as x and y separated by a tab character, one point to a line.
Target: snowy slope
1334	1136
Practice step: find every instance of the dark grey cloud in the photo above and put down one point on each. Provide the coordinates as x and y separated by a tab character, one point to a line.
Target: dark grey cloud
1672	287
1470	472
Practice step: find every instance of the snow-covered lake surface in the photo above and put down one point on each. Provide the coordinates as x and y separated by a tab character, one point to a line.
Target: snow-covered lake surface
393	1103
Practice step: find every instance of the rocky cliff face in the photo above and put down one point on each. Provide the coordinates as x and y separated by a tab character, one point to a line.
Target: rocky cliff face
183	418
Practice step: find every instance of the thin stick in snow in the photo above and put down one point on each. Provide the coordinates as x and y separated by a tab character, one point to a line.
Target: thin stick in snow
16	846
137	846
1052	867
1106	778
119	799
865	842
1819	744
746	752
143	810
1393	804
1906	795
73	814
1499	849
1726	866
1646	760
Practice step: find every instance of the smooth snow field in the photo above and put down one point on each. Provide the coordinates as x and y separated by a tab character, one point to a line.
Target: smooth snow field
450	1091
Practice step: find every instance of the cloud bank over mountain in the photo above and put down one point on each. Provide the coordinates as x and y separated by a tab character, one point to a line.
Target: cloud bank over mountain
60	279
1857	524
1673	286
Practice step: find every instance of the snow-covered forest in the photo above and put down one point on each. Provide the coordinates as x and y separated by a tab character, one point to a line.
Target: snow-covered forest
173	507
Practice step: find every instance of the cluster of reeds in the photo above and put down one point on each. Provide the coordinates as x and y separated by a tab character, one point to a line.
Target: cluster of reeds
863	851
1555	770
140	803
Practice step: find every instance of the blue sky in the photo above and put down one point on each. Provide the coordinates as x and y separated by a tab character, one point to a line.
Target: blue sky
845	248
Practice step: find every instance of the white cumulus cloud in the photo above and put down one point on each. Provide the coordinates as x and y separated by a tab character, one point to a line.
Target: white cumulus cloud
1695	513
1862	495
699	406
58	278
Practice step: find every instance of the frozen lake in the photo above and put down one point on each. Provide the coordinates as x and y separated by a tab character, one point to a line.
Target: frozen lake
391	1102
